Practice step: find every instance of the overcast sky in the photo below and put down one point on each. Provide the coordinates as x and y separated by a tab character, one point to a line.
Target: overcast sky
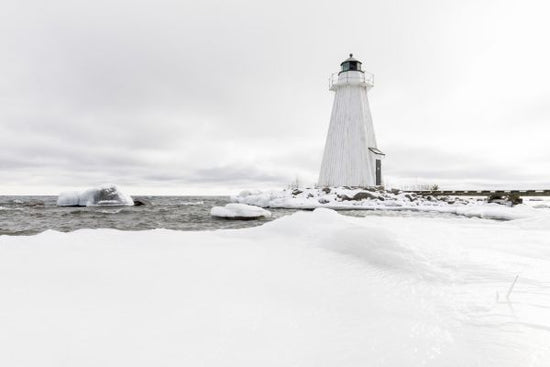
189	97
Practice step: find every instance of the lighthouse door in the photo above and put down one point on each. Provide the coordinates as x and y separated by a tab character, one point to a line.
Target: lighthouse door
378	172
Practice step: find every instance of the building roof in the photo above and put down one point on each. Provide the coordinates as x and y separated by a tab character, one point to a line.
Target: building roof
377	151
350	58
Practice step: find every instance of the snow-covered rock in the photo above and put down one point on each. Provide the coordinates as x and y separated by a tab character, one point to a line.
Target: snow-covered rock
106	195
347	198
239	211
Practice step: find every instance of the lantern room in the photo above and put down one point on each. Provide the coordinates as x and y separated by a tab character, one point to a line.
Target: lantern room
350	64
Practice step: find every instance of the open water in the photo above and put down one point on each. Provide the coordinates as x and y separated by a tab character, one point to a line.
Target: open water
28	215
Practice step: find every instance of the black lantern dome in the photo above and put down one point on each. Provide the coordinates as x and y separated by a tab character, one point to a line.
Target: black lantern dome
351	64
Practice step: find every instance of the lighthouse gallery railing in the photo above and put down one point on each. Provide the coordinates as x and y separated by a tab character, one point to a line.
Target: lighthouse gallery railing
355	78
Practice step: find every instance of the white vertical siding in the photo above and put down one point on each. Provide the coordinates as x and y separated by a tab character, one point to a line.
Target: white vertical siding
347	160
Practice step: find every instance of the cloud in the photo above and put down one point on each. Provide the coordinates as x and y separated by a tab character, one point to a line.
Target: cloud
213	94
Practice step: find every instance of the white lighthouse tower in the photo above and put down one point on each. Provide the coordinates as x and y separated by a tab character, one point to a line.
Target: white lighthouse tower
351	156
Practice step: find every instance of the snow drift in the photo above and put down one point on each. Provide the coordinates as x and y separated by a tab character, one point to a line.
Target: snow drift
311	289
107	195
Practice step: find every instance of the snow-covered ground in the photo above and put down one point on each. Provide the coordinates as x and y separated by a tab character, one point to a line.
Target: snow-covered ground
370	199
311	289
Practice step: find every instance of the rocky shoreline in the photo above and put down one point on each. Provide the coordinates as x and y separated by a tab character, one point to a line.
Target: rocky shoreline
377	198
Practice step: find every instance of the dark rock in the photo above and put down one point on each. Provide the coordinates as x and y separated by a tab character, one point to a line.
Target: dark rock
343	197
323	201
296	192
326	190
494	197
310	195
514	198
395	191
141	202
361	195
508	199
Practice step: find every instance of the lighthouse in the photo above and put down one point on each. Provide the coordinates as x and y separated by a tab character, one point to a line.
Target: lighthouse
351	157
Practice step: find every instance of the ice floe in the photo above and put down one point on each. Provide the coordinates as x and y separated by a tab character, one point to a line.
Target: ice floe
239	211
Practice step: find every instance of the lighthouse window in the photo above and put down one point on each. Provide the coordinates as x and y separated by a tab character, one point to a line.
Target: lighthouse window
345	66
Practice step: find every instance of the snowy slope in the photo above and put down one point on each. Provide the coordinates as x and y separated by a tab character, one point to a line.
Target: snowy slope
311	289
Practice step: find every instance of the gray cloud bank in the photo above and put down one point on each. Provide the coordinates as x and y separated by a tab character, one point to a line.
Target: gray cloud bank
214	96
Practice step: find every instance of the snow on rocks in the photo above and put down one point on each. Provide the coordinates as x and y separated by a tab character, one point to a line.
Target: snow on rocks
239	211
348	198
106	195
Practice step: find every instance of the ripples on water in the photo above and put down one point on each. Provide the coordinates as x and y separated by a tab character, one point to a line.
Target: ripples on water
28	215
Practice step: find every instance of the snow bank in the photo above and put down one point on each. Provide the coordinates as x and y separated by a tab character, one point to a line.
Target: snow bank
311	289
343	198
107	195
239	211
